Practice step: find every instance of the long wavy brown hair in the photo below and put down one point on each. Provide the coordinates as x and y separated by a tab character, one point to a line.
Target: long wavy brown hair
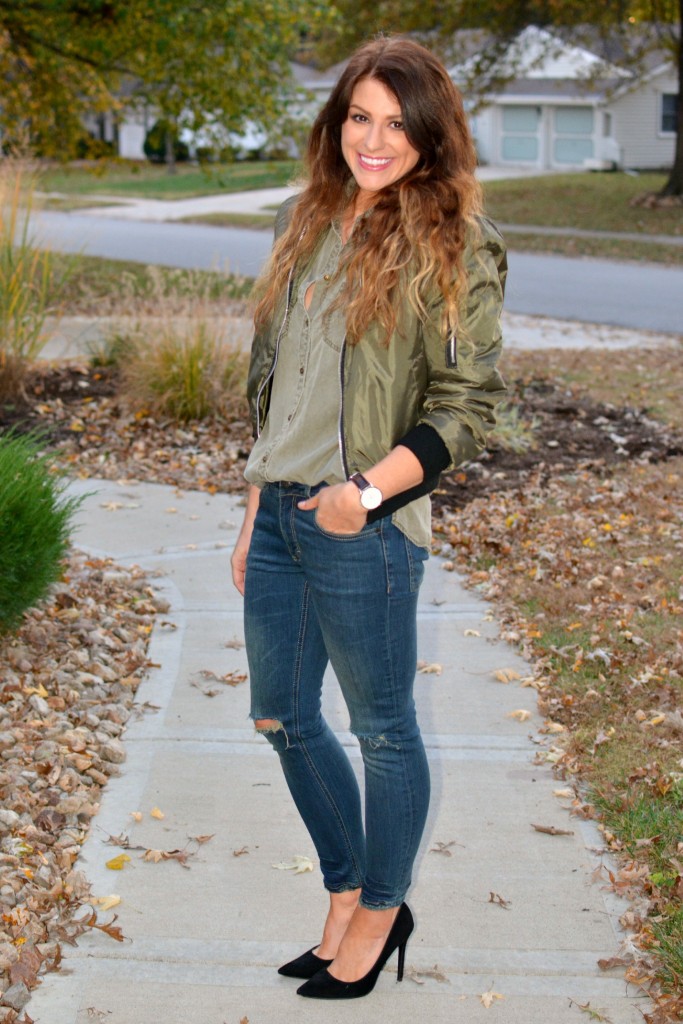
414	237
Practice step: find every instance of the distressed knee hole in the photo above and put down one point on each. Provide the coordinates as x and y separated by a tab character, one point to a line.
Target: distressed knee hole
379	742
273	730
268	725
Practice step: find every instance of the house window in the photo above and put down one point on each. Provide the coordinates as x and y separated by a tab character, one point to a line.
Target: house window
669	112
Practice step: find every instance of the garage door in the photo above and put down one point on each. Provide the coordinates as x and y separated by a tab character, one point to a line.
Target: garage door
573	135
520	141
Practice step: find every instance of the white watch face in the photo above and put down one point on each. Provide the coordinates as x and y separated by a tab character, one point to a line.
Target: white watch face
371	497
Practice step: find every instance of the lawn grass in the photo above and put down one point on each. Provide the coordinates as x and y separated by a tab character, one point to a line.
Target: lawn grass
90	285
600	248
648	378
258	221
586	570
596	202
152	181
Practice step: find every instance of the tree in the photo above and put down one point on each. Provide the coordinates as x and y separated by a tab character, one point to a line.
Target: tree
626	32
198	62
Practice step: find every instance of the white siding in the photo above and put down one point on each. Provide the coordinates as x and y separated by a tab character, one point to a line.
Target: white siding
636	124
132	133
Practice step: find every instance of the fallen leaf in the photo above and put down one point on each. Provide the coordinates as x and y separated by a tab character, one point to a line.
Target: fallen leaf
434	973
202	839
592	1014
40	690
153	855
109	929
498	900
429	668
240	852
569	793
117	863
550	830
156	813
234	644
443	848
471	632
136	815
488	998
26	967
606	964
506	675
297	864
106	902
521	714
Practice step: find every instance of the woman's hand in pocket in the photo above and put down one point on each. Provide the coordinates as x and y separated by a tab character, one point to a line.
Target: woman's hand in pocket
337	509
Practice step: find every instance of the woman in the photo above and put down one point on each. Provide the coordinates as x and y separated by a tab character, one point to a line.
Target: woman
372	371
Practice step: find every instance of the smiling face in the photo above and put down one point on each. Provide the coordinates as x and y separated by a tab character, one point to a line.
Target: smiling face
374	141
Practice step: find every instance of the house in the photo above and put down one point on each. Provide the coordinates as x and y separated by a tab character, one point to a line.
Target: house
567	109
563	108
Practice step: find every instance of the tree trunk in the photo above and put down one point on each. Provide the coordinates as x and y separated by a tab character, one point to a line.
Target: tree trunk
674	186
169	142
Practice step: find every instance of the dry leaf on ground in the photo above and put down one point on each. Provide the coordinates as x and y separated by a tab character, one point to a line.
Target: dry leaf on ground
105	902
298	864
521	714
429	668
118	863
550	830
488	998
506	675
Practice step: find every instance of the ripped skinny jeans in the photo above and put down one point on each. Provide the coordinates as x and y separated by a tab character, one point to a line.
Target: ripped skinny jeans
313	597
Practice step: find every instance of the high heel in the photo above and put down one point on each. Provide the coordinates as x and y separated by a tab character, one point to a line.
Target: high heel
305	966
324	985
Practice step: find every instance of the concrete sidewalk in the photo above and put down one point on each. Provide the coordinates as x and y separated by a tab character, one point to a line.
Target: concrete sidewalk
78	337
203	944
263	200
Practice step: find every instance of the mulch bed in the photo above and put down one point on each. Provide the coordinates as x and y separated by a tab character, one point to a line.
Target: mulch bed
95	434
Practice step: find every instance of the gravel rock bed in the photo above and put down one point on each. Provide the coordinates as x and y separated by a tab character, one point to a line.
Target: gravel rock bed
68	680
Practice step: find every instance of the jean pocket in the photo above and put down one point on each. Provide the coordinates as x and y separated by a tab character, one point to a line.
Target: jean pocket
417	556
363	532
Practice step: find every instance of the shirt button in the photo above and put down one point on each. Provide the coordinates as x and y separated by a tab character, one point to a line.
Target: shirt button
326	277
301	369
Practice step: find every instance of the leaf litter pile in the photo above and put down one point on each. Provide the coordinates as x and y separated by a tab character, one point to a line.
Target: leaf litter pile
570	523
69	677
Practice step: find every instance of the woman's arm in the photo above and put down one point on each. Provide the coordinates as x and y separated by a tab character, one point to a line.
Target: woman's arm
238	560
338	507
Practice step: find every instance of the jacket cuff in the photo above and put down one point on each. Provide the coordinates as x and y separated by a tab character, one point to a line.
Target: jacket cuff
429	449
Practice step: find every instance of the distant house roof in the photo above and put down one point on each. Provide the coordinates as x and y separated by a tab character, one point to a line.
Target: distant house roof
540	64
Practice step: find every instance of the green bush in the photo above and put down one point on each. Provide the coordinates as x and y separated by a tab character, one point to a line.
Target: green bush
34	526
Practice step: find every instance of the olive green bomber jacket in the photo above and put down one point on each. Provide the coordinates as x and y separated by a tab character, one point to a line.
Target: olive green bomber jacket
451	384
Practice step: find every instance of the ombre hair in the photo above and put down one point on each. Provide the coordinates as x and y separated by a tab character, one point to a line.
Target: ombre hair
413	239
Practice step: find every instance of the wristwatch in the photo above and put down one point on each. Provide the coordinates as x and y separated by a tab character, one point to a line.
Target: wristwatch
370	496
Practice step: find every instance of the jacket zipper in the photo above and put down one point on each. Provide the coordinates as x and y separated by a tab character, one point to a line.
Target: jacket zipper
342	449
273	364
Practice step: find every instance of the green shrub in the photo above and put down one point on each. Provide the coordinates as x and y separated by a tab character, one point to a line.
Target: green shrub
34	526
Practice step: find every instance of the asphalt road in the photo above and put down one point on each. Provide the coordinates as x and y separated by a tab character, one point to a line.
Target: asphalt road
641	296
